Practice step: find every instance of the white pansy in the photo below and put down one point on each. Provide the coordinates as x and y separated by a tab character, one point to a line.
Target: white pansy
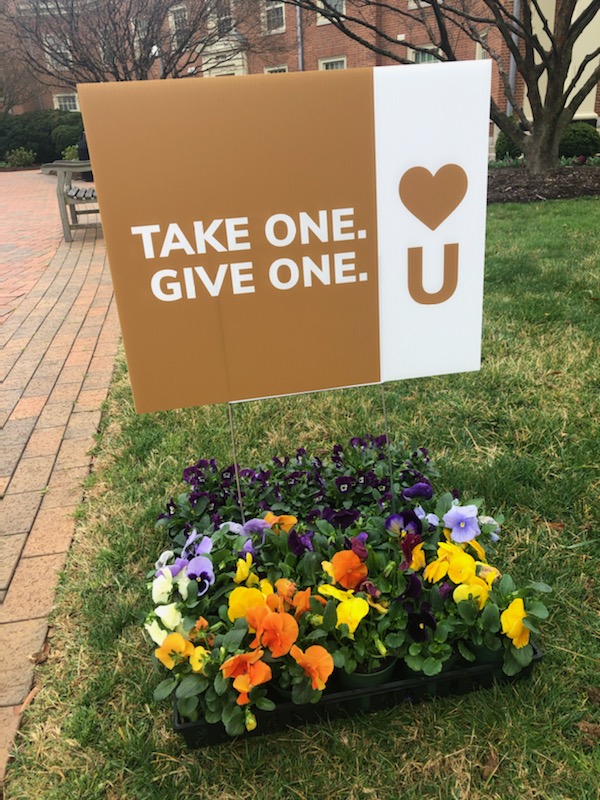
162	586
183	582
156	633
170	615
163	558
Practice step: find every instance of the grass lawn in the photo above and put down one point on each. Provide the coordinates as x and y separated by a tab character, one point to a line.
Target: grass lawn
522	432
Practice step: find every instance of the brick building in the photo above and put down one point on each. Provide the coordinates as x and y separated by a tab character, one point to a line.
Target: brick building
295	40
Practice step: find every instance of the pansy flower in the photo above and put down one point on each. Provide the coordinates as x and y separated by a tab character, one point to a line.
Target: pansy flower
512	623
174	645
404	523
351	612
420	489
248	671
347	569
462	521
316	662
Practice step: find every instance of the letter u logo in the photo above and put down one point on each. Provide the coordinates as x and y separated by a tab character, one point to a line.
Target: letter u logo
415	276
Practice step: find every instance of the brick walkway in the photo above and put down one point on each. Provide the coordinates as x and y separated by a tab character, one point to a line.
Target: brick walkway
59	335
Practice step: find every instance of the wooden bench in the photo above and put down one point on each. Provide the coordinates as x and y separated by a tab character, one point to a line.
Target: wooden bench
73	197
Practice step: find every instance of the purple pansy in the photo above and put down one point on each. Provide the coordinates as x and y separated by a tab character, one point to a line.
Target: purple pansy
421	489
462	521
419	621
201	569
414	587
344	483
432	519
300	543
404	523
342	519
358	545
408	544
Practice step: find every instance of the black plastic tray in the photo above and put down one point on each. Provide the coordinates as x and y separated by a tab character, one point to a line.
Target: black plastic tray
336	704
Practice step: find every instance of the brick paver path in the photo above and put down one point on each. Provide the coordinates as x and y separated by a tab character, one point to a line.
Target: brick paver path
58	336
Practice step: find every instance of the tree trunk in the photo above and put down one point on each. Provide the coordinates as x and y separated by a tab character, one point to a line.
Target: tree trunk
541	147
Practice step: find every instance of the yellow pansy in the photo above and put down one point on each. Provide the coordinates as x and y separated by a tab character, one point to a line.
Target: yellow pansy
241	599
418	557
174	644
327	568
462	567
488	573
266	587
333	591
351	612
438	569
199	659
476	588
474	544
512	623
242	571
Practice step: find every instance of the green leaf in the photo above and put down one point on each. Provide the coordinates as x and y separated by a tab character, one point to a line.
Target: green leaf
212	716
302	693
164	688
329	616
468	610
191	686
431	666
490	617
319	633
220	683
235	724
522	655
395	640
414	662
265	704
233	639
465	652
339	659
506	585
527	623
187	707
540	587
537	609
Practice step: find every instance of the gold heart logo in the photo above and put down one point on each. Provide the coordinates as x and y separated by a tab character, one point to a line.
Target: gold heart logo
432	198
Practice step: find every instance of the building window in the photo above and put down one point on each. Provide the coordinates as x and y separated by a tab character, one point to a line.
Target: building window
339	6
179	25
481	46
427	55
332	63
274	16
58	54
273	70
66	102
224	17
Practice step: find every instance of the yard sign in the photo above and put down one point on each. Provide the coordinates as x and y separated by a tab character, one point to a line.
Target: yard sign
276	234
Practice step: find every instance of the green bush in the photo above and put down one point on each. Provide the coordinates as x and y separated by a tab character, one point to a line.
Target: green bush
20	157
65	136
580	139
33	131
70	153
506	148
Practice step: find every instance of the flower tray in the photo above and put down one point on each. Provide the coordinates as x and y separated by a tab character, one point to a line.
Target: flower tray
338	704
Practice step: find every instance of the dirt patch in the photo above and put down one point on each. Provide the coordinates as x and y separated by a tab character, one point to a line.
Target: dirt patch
515	185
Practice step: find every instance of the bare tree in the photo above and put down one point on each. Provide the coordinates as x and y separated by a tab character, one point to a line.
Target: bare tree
532	42
80	41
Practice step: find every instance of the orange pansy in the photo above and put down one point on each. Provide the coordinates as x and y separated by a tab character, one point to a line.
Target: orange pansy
348	569
284	522
301	602
248	671
174	644
316	662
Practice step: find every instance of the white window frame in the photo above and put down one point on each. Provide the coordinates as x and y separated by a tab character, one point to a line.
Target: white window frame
322	20
53	43
173	24
56	100
219	18
274	70
412	54
273	4
324	61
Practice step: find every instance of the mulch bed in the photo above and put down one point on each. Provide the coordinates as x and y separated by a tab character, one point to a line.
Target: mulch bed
515	185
